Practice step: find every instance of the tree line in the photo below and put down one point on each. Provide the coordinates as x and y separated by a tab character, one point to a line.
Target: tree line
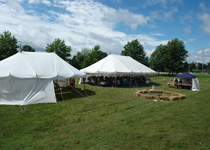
169	58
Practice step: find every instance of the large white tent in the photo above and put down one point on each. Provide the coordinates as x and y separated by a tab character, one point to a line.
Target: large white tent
27	77
117	65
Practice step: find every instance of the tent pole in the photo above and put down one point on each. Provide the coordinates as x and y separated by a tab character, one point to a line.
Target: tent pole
115	81
84	83
22	110
98	80
61	91
130	82
141	80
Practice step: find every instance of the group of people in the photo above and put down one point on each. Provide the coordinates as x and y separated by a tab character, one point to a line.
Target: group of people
58	84
117	81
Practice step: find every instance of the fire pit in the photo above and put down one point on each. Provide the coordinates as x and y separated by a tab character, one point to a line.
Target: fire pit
159	95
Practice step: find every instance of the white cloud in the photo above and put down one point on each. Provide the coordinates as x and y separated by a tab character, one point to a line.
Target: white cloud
170	13
187	18
187	30
203	7
205	18
46	2
83	24
163	15
33	1
200	55
157	34
164	3
128	18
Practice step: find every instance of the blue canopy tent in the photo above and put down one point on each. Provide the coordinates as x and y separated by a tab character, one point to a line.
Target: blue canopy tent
185	75
187	78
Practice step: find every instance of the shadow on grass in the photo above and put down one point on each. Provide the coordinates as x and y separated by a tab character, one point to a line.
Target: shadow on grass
73	93
133	85
142	85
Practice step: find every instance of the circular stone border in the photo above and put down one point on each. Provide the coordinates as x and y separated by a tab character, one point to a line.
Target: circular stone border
172	95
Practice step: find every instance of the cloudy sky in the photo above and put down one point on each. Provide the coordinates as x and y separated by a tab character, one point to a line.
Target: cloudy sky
109	23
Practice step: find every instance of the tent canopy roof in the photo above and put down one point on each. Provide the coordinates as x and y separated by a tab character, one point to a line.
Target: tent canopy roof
37	65
185	75
117	65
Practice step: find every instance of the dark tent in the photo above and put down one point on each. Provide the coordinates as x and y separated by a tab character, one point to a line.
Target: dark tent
185	76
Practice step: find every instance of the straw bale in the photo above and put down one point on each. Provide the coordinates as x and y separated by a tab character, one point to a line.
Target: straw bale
164	80
144	91
156	91
150	96
182	96
143	96
167	92
164	97
174	94
136	93
173	98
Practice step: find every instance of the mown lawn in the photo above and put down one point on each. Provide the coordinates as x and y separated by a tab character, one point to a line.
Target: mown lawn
111	118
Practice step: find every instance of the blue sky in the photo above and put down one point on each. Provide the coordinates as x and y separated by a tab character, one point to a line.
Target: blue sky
109	23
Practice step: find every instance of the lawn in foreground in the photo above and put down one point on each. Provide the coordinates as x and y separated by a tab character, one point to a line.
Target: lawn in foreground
111	118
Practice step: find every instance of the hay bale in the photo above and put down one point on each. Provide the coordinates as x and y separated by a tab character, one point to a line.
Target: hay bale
150	97
136	93
156	91
164	80
144	91
174	94
167	92
152	91
143	96
182	96
165	98
173	98
159	91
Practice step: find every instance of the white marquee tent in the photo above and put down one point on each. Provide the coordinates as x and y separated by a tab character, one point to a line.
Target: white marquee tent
117	65
27	77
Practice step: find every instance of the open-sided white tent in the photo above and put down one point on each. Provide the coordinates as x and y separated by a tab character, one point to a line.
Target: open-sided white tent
27	77
117	65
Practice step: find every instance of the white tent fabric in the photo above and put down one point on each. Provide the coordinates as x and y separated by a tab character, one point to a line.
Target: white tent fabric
195	85
27	77
115	65
37	65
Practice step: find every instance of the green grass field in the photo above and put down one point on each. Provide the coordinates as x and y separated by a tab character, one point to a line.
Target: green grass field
111	118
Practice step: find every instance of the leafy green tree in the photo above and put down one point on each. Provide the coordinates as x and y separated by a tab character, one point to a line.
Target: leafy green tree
157	61
192	66
8	45
27	48
135	50
60	48
77	59
208	66
176	56
170	58
95	55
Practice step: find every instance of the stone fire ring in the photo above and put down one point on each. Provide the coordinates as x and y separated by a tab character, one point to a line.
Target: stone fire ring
172	95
